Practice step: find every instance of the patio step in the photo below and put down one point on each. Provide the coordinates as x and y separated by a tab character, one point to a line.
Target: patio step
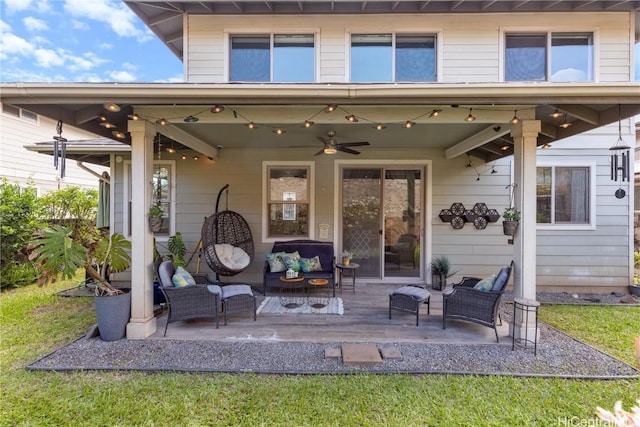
361	354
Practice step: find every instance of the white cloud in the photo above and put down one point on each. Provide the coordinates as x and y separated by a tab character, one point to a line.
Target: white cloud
79	25
10	44
33	24
105	46
43	6
17	5
121	76
4	26
116	15
48	58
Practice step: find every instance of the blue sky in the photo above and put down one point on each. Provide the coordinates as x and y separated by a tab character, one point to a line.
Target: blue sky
80	41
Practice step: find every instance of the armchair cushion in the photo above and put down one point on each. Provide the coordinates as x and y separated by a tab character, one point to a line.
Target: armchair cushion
182	278
501	280
233	257
486	284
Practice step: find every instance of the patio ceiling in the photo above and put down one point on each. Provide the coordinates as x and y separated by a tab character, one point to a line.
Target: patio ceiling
165	18
587	106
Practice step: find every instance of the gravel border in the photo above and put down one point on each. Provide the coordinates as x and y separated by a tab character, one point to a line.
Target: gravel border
558	356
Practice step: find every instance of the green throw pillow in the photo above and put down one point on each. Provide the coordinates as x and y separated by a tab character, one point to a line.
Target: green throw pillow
310	264
182	278
486	284
292	261
276	263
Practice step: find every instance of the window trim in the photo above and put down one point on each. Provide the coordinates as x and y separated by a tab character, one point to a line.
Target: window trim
502	45
437	46
172	191
228	34
266	165
21	116
591	165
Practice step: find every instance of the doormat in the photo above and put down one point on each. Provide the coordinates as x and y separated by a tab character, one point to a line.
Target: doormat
301	305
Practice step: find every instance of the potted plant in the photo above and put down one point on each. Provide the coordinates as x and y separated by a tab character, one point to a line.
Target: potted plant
510	221
346	257
156	214
63	250
440	271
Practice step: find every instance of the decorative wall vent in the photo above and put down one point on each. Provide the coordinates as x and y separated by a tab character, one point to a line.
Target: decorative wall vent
458	215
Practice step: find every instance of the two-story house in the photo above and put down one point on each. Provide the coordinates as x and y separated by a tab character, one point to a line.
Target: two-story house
361	122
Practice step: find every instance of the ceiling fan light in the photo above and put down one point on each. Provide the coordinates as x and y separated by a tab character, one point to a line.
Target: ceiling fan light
330	150
112	107
217	109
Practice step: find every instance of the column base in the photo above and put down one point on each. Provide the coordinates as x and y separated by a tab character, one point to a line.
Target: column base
141	328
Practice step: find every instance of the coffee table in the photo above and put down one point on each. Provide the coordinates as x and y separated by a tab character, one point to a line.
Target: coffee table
292	284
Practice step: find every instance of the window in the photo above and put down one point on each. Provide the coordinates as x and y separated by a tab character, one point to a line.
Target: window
564	195
288	201
163	193
388	57
273	58
556	57
18	112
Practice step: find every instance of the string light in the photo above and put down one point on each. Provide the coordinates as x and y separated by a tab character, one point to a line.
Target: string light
191	119
470	117
351	118
307	124
251	125
515	118
217	109
408	124
162	122
330	108
565	124
556	114
435	113
278	131
379	126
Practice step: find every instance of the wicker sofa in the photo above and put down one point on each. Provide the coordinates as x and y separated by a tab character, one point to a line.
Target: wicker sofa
307	249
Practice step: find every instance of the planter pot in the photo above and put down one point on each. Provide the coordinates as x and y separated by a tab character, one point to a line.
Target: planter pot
346	261
155	223
510	227
438	282
634	290
113	313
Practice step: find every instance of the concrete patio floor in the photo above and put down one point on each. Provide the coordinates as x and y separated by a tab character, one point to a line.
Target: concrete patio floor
365	319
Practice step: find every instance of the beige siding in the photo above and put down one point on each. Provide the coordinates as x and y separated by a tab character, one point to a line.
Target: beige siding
465	38
19	165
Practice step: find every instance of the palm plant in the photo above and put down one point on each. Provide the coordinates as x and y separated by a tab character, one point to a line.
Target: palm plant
59	250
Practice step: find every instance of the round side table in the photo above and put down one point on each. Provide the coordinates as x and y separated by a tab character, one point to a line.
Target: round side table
526	307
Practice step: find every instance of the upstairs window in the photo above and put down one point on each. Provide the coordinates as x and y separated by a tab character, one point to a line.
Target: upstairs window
556	57
20	113
392	58
285	58
563	195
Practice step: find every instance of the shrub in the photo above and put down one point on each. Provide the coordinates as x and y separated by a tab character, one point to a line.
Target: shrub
73	207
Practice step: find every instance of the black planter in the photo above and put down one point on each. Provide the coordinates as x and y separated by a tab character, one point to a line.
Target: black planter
113	313
438	282
634	290
510	227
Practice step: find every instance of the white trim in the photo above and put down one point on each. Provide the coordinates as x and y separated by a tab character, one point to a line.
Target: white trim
265	190
591	164
172	195
426	225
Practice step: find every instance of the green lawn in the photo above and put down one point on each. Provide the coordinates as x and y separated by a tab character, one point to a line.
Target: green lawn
34	321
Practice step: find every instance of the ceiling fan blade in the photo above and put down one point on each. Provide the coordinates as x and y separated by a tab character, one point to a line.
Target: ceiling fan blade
319	152
323	140
346	150
353	144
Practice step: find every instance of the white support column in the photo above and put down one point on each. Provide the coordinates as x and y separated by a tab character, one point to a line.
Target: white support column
525	137
143	322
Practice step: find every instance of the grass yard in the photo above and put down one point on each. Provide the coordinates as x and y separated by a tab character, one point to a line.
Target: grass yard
33	322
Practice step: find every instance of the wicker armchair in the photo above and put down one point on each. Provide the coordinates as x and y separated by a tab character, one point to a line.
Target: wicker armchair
189	302
464	302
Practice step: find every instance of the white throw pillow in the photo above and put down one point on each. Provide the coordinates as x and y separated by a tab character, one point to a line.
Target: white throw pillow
231	256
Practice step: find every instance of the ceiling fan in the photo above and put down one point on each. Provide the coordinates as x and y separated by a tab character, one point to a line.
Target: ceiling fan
331	146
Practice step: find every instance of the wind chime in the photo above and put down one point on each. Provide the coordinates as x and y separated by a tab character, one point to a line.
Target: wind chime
620	160
60	150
